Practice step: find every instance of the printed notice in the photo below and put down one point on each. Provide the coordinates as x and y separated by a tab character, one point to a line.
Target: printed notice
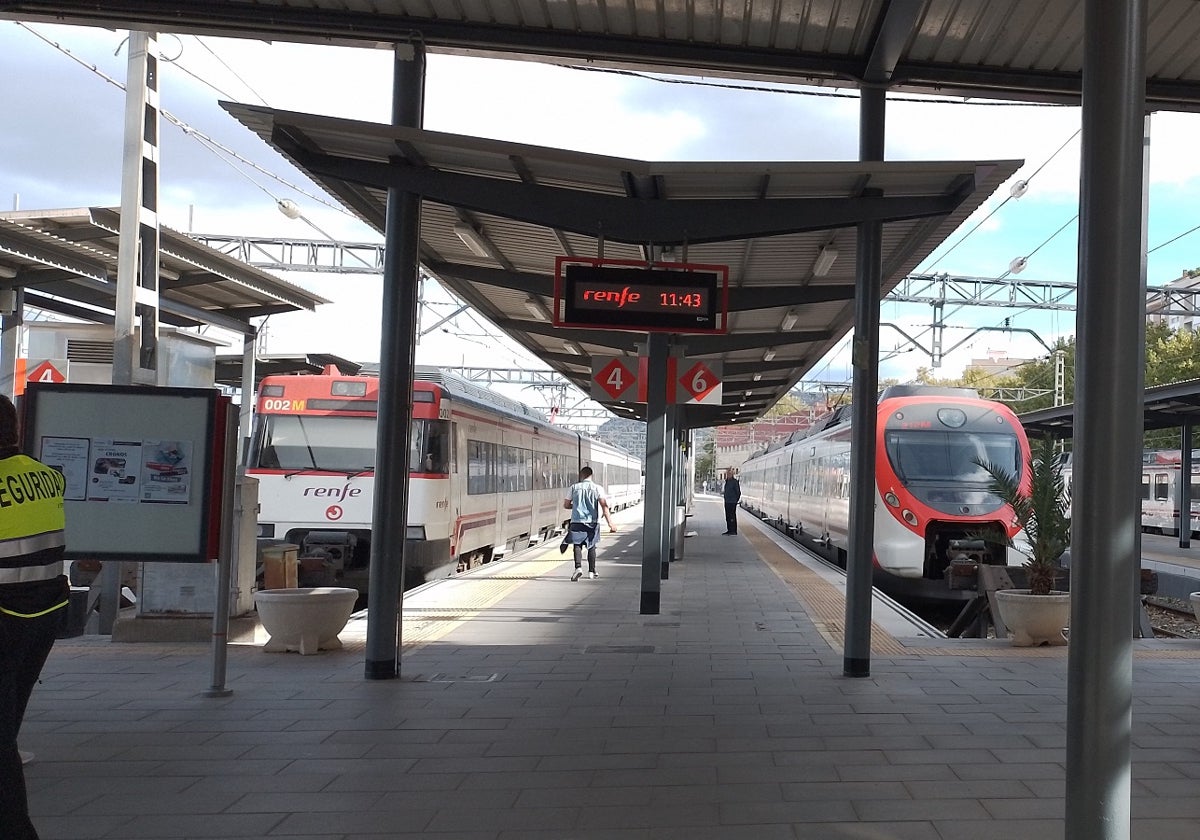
115	467
166	471
69	456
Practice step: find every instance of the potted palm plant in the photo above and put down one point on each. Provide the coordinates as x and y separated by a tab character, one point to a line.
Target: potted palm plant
1039	614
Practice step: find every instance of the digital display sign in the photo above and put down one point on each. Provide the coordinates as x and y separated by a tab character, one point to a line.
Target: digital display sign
636	297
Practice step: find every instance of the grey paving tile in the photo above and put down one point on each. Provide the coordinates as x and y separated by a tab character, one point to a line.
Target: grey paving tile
739	725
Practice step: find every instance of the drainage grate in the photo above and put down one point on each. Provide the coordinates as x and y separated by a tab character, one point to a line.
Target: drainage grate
542	619
619	649
450	678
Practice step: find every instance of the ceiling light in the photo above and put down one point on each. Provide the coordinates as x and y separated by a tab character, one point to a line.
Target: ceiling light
536	309
757	377
474	240
825	259
748	393
769	355
571	348
790	319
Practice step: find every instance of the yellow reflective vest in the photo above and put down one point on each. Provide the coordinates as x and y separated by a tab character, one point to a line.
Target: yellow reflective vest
32	539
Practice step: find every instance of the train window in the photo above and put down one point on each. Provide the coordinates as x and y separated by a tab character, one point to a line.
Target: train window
1145	487
1162	486
430	450
477	468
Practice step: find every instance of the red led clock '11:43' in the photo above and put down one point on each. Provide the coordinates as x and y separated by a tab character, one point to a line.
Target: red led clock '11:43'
634	297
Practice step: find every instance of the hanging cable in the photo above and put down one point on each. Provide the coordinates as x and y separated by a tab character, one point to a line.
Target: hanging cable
245	84
193	132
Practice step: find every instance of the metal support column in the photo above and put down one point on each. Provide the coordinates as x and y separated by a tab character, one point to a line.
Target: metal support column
135	324
1185	486
135	345
654	522
856	657
1108	361
246	414
12	313
670	494
389	522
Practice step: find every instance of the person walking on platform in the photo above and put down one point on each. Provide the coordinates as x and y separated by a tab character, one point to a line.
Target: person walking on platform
733	494
33	596
586	503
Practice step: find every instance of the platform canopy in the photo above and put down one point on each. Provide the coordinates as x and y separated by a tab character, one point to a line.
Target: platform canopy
1167	406
66	261
1010	49
496	215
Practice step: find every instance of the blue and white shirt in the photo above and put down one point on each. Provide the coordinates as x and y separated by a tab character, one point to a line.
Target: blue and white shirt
586	496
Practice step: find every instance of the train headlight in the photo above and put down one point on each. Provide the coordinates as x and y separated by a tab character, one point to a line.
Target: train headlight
909	517
953	417
891	499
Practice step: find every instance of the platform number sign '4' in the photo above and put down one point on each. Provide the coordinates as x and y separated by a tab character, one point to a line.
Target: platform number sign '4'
46	371
615	379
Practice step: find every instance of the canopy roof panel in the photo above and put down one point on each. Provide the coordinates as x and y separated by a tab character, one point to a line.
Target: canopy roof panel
66	260
527	205
1015	49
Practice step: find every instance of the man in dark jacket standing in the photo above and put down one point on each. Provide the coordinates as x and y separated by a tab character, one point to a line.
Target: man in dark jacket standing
733	494
33	598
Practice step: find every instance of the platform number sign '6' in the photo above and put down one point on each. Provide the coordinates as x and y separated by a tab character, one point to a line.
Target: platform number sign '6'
613	378
700	383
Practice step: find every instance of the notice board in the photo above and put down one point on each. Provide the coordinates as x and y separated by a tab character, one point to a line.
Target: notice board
141	467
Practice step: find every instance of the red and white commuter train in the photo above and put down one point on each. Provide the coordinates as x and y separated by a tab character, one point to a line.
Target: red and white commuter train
487	475
932	502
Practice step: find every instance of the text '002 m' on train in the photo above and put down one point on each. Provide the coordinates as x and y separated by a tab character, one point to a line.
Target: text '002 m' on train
487	474
932	503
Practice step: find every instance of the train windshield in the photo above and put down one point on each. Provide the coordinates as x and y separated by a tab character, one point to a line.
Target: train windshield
950	457
342	444
311	442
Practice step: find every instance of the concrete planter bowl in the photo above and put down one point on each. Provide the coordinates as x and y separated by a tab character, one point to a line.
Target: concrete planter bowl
1035	619
304	620
1195	596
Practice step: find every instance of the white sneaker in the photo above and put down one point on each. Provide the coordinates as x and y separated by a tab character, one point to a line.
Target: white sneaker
577	574
26	756
593	575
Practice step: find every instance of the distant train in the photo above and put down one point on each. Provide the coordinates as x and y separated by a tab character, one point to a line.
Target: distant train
932	503
487	475
1160	491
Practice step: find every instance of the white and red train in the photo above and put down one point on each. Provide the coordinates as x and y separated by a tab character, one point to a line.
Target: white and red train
932	503
487	475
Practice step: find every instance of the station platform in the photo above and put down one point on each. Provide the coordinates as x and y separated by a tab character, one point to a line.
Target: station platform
531	707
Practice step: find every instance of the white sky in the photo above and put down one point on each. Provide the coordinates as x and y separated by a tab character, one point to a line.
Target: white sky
62	148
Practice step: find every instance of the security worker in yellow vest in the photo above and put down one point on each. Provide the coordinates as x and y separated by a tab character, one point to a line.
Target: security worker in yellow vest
33	600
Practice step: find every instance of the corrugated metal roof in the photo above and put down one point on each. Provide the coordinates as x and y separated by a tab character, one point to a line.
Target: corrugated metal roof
1029	49
526	234
71	254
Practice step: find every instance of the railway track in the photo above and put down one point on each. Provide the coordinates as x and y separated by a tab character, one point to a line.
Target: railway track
1172	618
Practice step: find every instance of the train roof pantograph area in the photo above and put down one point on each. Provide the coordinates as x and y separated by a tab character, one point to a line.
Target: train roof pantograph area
495	216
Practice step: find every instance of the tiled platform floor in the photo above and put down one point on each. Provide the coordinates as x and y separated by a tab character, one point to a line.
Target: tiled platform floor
555	710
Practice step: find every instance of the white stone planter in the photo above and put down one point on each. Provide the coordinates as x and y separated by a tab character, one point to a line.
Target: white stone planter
306	620
1035	619
1195	596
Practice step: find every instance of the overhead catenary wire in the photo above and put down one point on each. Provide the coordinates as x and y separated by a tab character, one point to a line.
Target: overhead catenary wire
193	132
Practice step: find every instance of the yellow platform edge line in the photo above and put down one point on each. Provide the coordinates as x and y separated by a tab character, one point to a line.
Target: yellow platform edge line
826	607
